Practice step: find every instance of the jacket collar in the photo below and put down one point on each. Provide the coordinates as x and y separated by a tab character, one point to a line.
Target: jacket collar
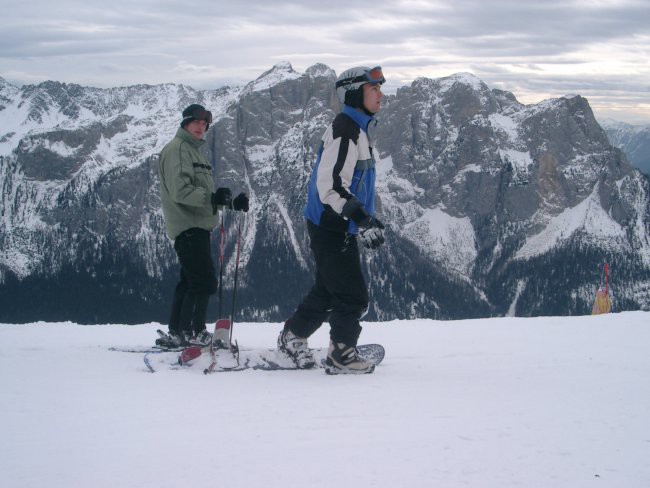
358	116
187	137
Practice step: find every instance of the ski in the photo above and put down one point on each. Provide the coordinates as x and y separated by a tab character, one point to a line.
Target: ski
223	353
163	338
152	365
144	349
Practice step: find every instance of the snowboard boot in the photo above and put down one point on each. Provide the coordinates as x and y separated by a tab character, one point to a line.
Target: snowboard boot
201	339
344	359
296	348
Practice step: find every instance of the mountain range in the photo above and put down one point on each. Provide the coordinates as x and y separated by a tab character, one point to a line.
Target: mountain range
633	139
493	207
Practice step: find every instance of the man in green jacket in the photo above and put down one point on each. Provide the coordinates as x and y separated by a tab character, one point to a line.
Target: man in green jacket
190	205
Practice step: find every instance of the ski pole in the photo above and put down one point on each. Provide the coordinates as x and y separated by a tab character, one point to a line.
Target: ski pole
234	290
222	249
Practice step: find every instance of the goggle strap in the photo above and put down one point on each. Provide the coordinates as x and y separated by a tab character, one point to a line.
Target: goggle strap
200	115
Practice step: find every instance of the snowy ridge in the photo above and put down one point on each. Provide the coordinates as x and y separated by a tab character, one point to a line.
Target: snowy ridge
320	70
132	123
447	239
589	217
467	79
280	73
152	110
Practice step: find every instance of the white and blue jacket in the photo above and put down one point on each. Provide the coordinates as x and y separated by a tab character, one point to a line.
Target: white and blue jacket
344	170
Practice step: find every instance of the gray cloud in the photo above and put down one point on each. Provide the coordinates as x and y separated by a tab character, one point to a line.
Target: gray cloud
535	49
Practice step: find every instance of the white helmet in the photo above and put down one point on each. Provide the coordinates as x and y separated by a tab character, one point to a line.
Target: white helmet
349	83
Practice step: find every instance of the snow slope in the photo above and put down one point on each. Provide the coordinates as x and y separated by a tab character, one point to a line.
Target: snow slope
507	402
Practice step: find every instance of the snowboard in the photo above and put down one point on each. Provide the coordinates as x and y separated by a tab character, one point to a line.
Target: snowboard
256	359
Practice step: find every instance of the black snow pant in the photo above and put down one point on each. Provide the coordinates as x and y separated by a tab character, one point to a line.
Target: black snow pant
339	294
198	281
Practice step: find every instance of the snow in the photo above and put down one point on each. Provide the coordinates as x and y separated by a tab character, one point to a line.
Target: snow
521	286
464	78
521	160
588	216
320	70
19	262
447	239
639	227
505	124
384	165
288	222
281	72
261	156
462	173
504	402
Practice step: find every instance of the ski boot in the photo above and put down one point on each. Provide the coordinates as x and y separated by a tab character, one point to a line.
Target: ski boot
201	339
173	340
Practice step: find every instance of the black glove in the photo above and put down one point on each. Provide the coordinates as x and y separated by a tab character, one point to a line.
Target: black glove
223	196
370	228
240	202
371	232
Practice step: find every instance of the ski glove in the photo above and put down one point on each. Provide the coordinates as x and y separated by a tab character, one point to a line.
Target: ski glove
371	232
240	203
370	228
223	196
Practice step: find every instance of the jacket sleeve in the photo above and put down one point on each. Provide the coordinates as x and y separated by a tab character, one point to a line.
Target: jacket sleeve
335	172
179	179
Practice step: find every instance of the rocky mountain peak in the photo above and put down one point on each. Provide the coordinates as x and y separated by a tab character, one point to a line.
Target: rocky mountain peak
320	70
279	73
5	85
8	92
462	78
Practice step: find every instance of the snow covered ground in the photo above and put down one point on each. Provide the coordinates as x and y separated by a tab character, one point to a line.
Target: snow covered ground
507	402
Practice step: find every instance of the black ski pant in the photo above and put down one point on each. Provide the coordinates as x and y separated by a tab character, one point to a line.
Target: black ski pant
198	281
339	294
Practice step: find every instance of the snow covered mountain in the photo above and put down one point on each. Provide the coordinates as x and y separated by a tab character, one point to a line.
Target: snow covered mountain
633	140
494	207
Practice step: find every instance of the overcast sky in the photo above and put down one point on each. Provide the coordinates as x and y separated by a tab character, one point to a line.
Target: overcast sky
536	49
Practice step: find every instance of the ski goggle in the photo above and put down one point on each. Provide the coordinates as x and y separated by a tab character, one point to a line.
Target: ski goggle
199	114
374	76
